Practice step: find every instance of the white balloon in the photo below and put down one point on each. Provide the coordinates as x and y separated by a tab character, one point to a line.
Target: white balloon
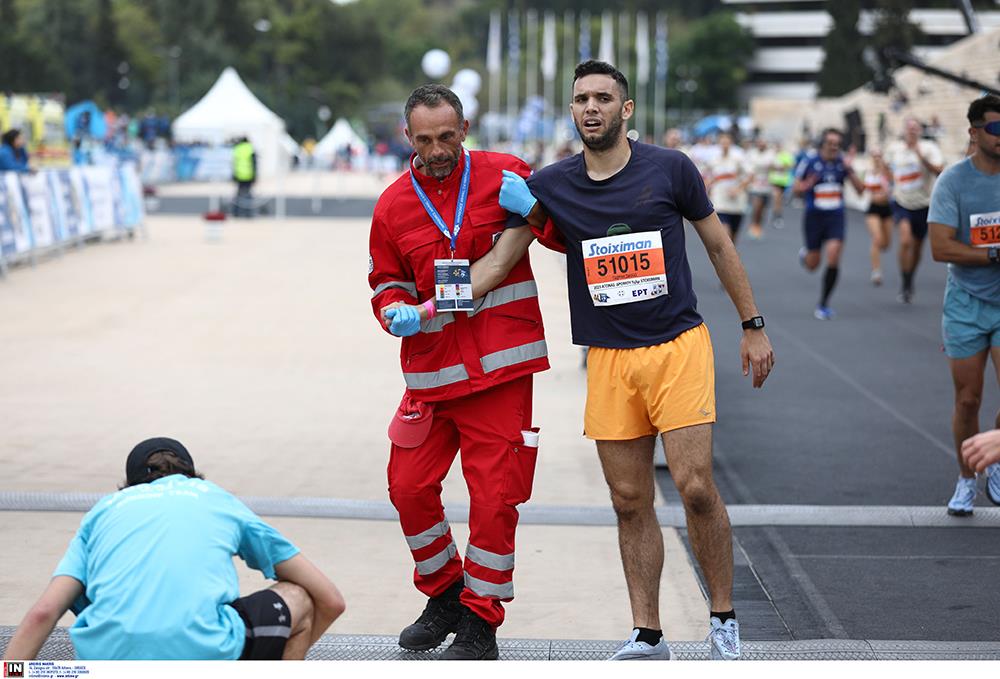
469	80
470	105
436	63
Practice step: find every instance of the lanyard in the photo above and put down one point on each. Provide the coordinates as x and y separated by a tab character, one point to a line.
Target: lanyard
463	197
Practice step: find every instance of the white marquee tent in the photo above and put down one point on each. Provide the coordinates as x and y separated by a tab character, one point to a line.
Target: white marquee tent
229	109
341	134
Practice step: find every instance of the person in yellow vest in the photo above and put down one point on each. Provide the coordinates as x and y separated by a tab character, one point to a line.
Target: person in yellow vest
244	174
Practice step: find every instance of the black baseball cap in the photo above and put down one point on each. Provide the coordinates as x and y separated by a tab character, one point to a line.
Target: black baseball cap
135	467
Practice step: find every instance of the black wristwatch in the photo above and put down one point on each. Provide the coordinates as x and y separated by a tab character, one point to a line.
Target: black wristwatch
755	323
994	255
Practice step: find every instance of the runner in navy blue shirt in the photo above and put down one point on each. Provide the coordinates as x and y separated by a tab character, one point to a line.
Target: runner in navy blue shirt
618	212
819	178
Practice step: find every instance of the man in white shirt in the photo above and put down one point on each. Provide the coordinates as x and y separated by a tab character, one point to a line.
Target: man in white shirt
915	164
727	179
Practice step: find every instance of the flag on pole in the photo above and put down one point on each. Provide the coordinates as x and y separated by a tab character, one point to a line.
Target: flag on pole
606	52
531	53
513	63
662	55
549	47
641	48
584	35
493	44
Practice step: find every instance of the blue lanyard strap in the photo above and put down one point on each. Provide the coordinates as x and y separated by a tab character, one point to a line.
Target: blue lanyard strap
463	197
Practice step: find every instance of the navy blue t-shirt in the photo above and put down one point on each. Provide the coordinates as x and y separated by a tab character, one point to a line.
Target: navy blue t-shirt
655	191
828	193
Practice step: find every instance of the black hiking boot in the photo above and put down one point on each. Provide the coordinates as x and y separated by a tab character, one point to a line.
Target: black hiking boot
441	617
475	640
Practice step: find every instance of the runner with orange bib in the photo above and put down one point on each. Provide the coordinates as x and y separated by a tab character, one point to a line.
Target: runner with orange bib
819	179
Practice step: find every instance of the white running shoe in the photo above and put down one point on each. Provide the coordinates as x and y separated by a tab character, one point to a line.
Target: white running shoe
724	639
640	650
993	483
876	277
965	495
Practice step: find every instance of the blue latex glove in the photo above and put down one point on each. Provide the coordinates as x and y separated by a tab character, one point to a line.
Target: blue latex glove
515	196
405	320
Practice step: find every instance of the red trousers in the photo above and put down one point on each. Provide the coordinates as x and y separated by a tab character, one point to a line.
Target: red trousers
498	470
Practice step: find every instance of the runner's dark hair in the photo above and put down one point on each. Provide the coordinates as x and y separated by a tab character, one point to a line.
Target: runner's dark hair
595	67
979	107
164	464
828	130
432	96
10	135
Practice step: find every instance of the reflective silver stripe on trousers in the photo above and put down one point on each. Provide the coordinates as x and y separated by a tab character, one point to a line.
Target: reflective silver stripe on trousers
438	378
421	540
402	285
438	561
498	562
270	631
492	299
514	355
483	588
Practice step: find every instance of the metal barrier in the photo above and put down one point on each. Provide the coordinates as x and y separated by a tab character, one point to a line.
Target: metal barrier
360	647
561	515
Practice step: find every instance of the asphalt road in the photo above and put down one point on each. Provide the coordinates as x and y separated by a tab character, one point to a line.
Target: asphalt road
856	412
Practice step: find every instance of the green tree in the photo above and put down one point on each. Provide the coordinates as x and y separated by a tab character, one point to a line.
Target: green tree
844	68
893	27
709	63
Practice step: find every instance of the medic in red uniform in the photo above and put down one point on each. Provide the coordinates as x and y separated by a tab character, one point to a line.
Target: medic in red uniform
467	373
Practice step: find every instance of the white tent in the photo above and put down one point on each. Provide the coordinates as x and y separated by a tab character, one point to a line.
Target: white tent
228	110
340	135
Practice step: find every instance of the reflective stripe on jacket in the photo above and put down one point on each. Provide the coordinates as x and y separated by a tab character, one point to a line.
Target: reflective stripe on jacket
460	353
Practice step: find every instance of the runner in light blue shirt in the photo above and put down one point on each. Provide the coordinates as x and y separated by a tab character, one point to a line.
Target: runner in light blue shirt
150	575
964	223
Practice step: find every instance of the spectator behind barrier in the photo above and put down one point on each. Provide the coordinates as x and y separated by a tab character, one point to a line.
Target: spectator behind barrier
13	155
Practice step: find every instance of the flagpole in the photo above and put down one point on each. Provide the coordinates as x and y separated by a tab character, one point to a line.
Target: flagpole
513	69
623	64
660	81
568	63
493	66
641	72
549	67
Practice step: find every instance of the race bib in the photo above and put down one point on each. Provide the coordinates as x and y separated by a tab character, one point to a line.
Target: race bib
452	285
909	178
626	268
984	230
828	196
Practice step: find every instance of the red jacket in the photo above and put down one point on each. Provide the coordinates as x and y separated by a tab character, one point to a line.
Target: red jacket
455	353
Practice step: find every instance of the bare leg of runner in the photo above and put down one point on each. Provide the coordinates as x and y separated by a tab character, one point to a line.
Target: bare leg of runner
300	606
628	469
689	456
879	244
967	374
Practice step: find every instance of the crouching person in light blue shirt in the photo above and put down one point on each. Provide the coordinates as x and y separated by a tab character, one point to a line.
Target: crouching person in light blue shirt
150	575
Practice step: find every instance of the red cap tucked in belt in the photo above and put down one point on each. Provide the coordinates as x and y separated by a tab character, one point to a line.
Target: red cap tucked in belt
411	423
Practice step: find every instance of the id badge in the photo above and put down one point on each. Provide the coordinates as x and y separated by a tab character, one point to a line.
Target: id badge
452	285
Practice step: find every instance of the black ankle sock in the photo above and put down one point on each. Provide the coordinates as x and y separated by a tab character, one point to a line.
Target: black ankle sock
907	281
650	636
724	616
829	280
453	591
